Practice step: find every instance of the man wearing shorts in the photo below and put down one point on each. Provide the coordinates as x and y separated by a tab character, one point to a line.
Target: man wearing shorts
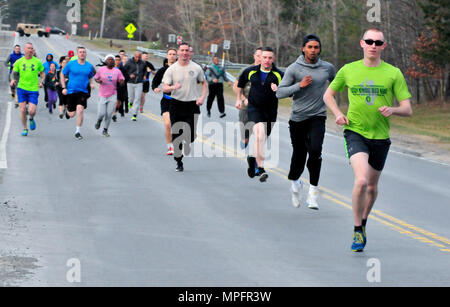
372	86
262	106
181	81
27	70
150	69
80	73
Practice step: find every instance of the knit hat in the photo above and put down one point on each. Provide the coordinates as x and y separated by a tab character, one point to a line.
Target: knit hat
109	56
311	37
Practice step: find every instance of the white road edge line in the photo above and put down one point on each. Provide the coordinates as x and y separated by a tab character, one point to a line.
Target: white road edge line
3	161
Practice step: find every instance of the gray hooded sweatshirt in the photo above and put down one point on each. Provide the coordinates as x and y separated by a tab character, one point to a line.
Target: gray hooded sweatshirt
307	102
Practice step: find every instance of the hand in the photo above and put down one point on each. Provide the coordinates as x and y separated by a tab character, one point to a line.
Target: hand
230	84
246	102
274	87
177	86
342	120
40	85
99	81
306	81
385	111
64	91
157	90
132	76
12	83
215	80
92	86
238	104
200	101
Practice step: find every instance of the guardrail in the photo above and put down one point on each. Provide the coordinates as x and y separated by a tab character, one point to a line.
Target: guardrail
205	60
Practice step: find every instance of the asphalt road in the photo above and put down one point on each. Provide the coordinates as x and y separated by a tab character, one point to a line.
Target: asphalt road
113	212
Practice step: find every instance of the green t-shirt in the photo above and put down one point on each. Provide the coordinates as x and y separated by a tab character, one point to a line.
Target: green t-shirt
29	73
370	88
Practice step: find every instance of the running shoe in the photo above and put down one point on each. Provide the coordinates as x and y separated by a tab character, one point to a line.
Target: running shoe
141	110
251	166
180	167
16	105
296	187
130	105
98	123
312	200
365	236
105	133
262	174
358	242
32	124
78	136
61	116
134	118
67	114
25	132
222	115
170	152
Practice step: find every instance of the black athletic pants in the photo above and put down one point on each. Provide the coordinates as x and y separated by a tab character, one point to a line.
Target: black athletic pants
216	89
307	139
183	126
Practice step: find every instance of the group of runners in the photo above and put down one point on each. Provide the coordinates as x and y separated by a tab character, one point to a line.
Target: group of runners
311	82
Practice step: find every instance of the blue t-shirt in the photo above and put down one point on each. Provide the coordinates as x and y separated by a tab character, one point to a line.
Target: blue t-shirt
79	76
263	76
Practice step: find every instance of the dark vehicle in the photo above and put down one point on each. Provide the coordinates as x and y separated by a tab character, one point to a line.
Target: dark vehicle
55	30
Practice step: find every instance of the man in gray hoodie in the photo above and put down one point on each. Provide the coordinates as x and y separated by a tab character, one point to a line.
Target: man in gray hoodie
306	80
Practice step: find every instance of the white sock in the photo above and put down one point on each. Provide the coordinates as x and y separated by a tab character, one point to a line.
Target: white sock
313	190
78	129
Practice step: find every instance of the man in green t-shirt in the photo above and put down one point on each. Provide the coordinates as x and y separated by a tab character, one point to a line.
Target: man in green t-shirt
372	86
27	70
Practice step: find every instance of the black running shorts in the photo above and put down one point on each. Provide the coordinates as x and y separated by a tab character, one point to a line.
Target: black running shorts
75	99
376	149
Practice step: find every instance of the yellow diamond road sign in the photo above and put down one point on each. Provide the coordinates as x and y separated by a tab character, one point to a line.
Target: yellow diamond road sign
130	28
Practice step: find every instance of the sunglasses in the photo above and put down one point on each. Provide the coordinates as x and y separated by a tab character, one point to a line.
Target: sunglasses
371	41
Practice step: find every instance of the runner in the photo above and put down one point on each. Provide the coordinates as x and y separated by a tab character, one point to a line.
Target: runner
124	105
27	70
181	80
51	83
62	98
216	75
108	77
372	85
243	116
171	58
135	69
10	60
48	61
262	106
306	80
80	73
150	69
121	90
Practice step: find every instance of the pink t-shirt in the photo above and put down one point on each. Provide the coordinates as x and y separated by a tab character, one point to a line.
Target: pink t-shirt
110	78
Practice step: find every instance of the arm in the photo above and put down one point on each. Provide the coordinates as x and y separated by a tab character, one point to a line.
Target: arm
15	78
8	59
330	101
41	82
289	86
204	93
403	110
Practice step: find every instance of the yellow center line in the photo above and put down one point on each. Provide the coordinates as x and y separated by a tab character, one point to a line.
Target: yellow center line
398	225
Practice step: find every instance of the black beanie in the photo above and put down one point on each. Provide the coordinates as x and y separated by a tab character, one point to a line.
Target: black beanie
311	37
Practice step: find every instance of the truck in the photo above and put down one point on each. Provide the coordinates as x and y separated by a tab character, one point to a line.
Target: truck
28	29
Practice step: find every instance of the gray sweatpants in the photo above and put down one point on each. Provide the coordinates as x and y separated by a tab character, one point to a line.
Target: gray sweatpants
134	95
106	107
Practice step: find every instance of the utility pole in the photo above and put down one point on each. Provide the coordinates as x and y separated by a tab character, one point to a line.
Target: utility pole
103	19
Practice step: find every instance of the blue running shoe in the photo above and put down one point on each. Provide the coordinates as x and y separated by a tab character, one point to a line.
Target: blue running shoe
25	132
364	236
32	124
358	242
